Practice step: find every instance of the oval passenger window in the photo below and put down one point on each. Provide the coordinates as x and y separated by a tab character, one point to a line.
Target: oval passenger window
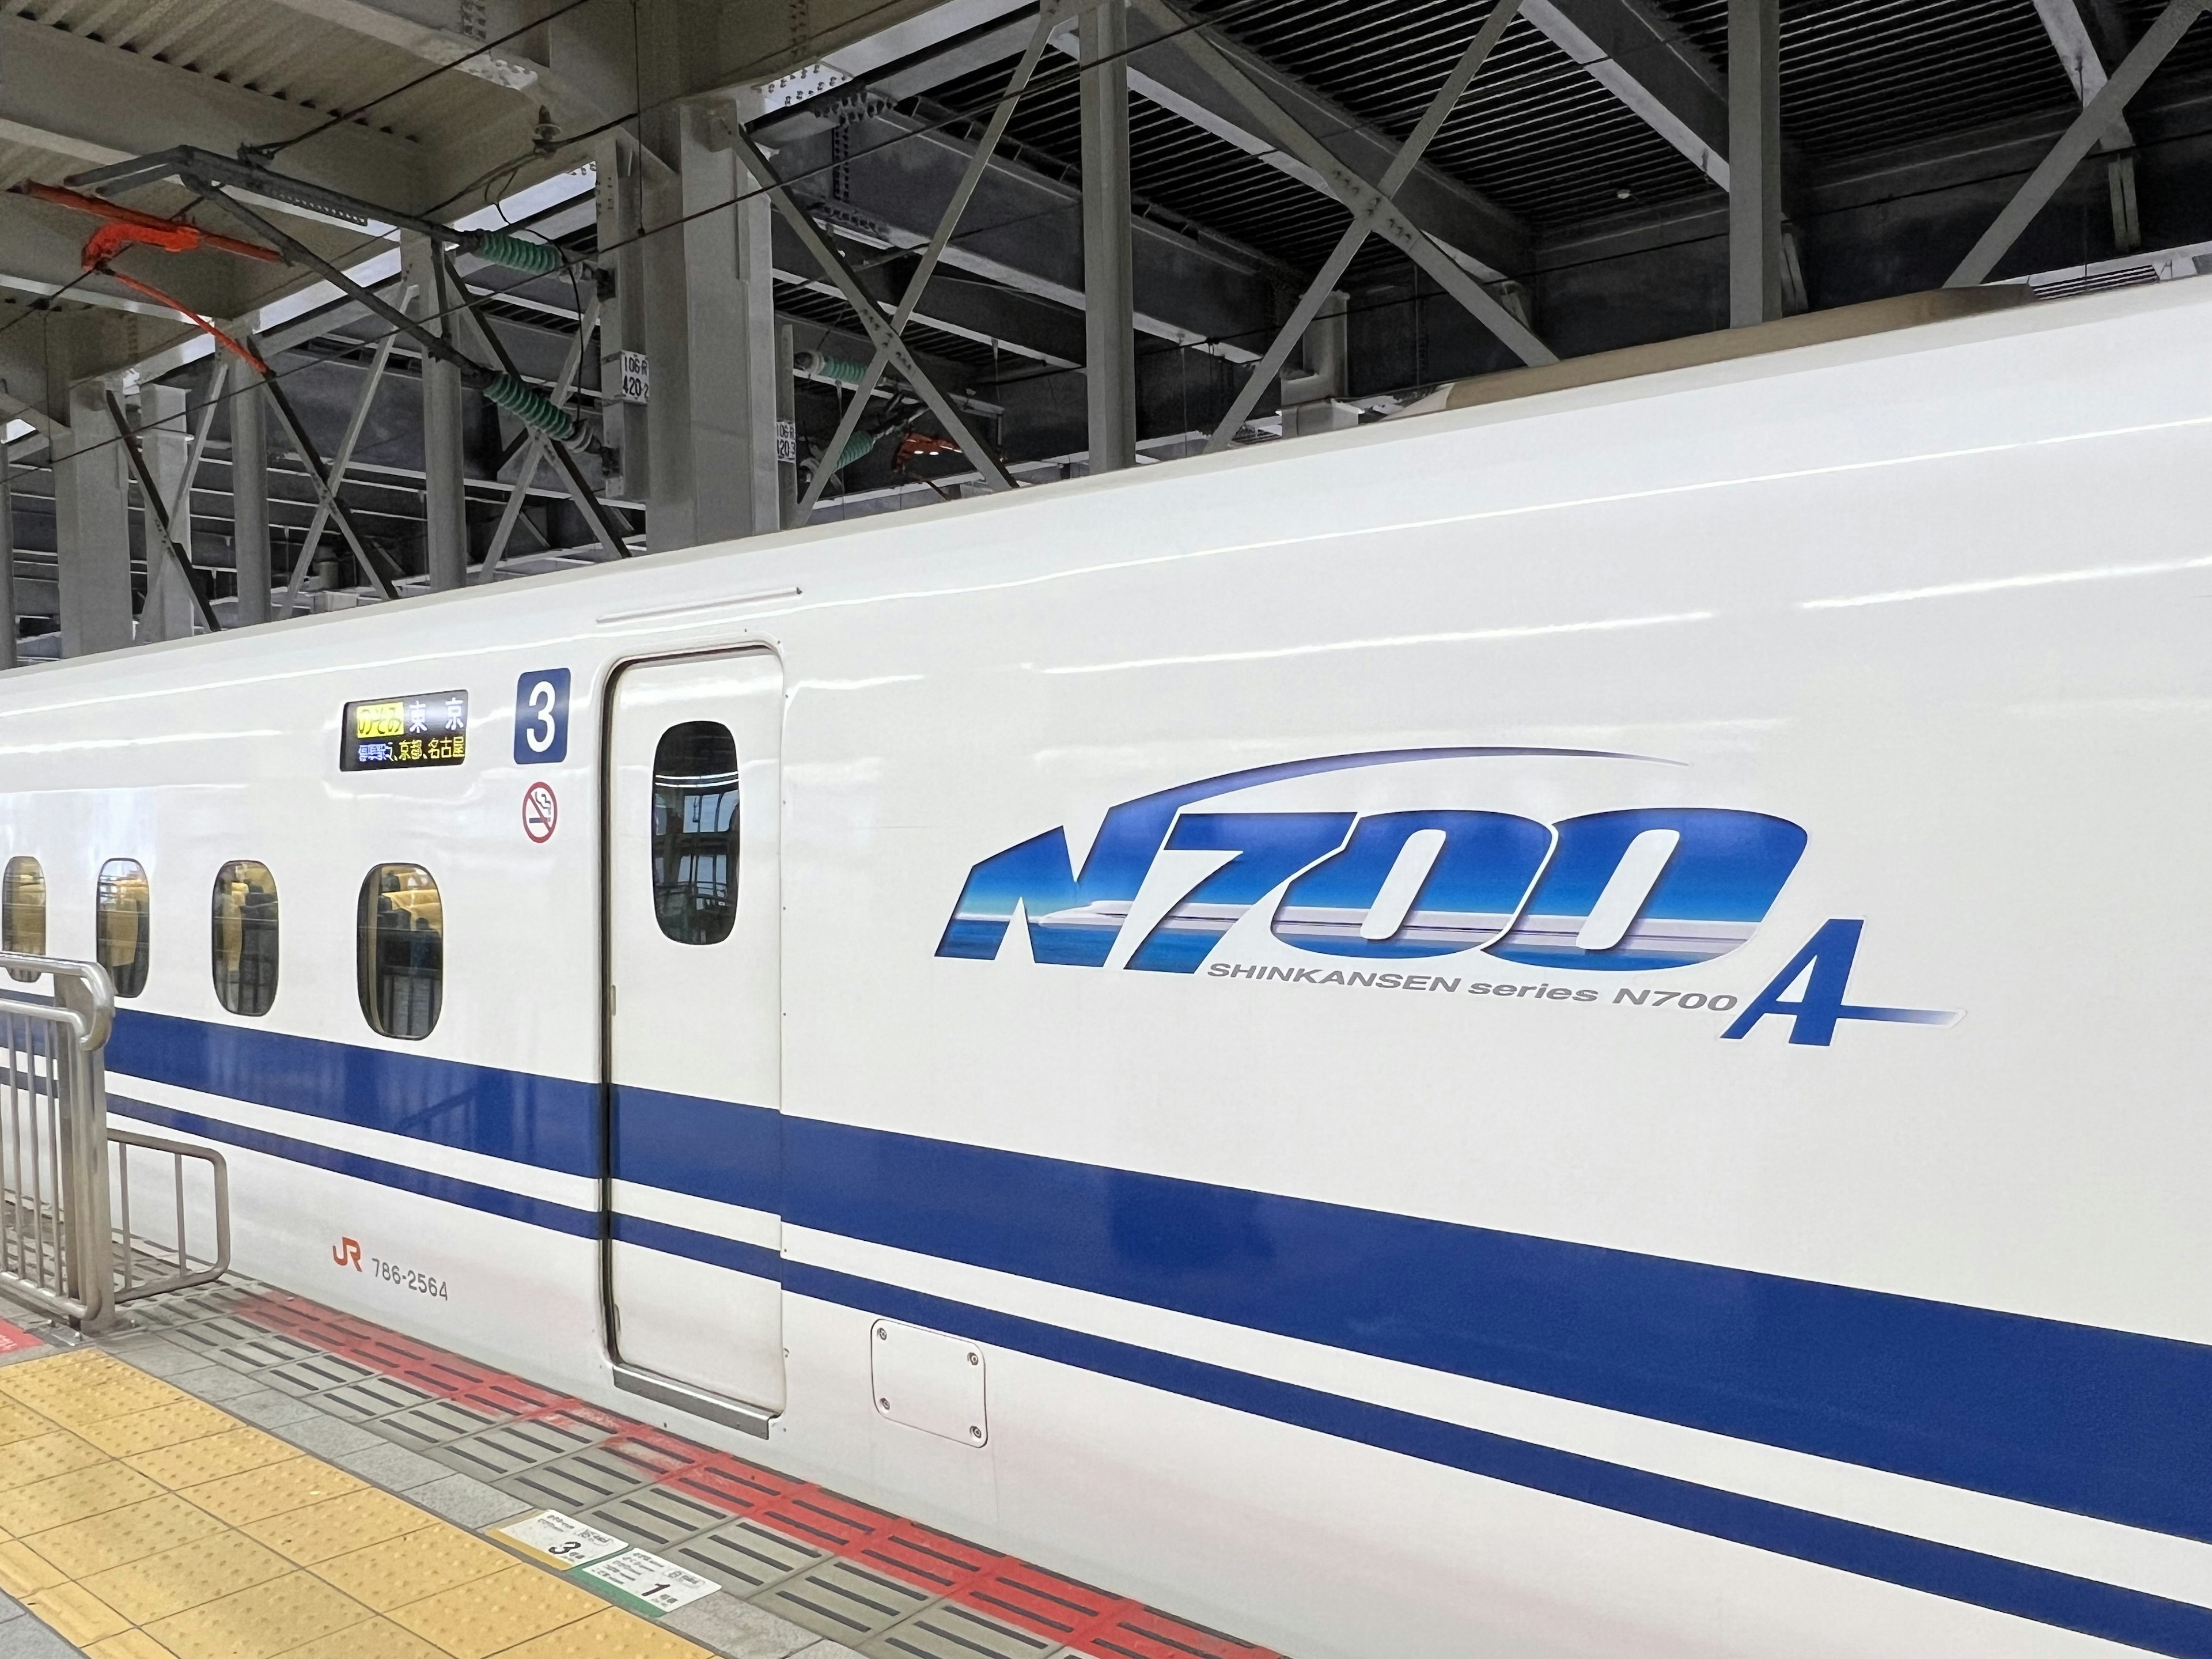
243	940
23	912
694	832
400	951
124	925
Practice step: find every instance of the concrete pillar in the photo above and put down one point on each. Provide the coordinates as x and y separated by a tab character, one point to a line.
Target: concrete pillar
167	440
9	657
249	491
445	507
711	333
1755	251
92	527
1109	281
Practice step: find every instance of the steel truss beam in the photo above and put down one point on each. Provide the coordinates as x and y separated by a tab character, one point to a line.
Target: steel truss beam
2094	121
1636	55
1048	19
1363	222
1351	189
157	509
886	338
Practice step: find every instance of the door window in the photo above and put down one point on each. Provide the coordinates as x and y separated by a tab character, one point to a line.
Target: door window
694	832
125	924
23	911
244	938
400	951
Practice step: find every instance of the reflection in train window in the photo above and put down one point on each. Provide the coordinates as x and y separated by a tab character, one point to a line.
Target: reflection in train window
694	832
125	924
23	912
401	951
244	938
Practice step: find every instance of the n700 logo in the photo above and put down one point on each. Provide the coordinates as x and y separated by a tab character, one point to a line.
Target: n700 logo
1635	890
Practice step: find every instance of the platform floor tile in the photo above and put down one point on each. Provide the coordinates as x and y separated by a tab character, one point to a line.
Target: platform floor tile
378	1560
156	1526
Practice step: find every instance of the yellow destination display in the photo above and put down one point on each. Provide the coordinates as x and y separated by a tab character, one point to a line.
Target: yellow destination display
391	734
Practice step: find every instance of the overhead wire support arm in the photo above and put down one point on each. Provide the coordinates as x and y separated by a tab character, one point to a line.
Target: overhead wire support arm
879	331
301	253
1346	185
157	509
2097	118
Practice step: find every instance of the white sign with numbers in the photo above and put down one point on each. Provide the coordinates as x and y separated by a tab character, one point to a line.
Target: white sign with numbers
561	1539
636	377
660	1586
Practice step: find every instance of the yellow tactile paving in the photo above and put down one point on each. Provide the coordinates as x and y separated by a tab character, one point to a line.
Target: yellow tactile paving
142	1524
131	1532
408	1568
257	1493
180	1578
71	1496
194	1462
77	1613
611	1634
492	1615
336	1527
259	1623
23	1569
131	1644
164	1425
43	1456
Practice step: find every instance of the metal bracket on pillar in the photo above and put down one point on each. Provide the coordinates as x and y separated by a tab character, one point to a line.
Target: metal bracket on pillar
878	327
1048	19
157	510
379	566
1363	223
1350	188
2088	129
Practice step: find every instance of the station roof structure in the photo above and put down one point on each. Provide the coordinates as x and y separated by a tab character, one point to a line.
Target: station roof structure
1583	180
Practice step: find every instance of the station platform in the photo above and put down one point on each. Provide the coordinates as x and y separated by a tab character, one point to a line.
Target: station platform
242	1473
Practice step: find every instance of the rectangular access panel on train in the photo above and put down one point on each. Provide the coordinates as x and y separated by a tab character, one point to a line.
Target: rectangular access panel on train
694	1029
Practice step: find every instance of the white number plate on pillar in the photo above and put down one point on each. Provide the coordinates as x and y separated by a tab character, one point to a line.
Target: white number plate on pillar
636	377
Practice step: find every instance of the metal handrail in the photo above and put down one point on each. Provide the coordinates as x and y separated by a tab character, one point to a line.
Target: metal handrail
91	1010
59	1251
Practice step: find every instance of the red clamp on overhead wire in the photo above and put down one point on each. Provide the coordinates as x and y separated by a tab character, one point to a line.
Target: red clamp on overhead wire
127	228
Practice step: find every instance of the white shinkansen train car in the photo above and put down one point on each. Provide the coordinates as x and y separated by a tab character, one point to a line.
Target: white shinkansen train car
1559	1029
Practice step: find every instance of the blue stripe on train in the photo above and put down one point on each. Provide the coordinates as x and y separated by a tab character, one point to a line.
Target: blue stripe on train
492	1201
550	1122
2071	1416
2149	1622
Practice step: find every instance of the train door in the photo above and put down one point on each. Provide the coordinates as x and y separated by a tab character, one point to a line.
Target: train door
694	1022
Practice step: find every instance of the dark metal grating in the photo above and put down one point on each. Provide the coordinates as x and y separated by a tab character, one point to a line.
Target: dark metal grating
1859	76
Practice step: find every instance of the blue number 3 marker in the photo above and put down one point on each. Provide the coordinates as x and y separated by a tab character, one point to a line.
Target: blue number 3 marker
541	717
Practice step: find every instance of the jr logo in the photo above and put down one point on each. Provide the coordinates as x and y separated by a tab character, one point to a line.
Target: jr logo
347	1254
1542	895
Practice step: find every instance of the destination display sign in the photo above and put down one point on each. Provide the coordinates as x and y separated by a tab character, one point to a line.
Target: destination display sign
394	734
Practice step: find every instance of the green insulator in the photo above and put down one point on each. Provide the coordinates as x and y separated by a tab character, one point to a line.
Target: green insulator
843	370
533	408
516	252
856	446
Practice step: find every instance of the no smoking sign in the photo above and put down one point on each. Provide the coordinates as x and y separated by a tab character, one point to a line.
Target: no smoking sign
541	813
